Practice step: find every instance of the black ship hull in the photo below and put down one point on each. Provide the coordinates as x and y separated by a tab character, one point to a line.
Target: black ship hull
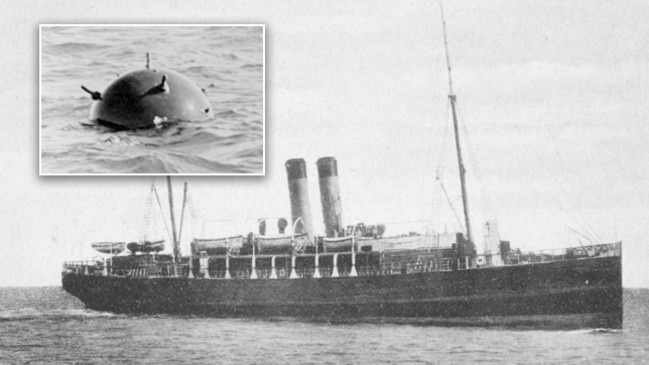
581	293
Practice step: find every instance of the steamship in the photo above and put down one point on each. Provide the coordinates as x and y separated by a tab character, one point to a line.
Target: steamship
357	272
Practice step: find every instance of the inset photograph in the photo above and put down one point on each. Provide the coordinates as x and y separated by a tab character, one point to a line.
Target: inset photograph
152	99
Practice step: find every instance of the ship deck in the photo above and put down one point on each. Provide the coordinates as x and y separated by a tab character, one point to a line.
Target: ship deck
328	264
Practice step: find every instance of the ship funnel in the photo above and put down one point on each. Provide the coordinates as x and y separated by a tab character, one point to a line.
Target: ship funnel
330	196
299	195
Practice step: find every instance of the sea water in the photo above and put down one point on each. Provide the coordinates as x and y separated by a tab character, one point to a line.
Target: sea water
49	326
227	62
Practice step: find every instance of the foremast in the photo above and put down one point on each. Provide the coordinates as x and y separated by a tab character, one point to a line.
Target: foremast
176	246
452	98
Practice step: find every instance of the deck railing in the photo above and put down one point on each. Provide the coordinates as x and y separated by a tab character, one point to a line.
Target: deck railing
102	268
397	265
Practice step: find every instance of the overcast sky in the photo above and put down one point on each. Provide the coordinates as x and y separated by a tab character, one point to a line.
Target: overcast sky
552	96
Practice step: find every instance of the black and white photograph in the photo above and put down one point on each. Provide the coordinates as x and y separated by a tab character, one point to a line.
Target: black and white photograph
324	182
138	99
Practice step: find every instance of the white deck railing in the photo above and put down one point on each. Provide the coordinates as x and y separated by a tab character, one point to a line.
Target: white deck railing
388	265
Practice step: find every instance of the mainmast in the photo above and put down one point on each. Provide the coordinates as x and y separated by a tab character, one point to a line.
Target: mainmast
173	221
452	98
182	214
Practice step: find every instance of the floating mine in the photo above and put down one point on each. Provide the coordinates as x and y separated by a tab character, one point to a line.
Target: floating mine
148	98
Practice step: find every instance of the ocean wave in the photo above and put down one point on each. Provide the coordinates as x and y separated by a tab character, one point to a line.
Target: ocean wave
200	70
595	331
79	46
177	147
253	65
171	164
228	114
31	314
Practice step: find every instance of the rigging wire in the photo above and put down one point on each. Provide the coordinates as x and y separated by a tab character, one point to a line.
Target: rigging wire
486	201
191	207
586	221
146	219
581	235
182	214
448	199
444	145
484	198
581	214
586	228
486	205
439	176
155	192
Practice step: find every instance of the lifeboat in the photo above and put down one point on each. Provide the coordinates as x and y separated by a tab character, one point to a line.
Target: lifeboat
111	248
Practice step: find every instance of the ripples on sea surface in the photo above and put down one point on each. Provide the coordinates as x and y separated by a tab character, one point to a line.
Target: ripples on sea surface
227	62
48	326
